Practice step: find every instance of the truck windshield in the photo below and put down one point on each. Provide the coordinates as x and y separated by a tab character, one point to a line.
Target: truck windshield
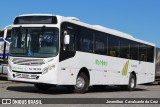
34	42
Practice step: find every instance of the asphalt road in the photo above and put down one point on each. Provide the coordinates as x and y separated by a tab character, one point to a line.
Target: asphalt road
21	90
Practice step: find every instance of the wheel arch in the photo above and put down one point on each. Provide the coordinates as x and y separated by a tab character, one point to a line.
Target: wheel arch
134	73
86	72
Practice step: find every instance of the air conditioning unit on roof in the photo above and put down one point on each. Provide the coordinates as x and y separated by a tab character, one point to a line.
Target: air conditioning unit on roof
73	18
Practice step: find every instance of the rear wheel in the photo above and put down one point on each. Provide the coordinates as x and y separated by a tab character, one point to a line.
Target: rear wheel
42	86
82	83
131	85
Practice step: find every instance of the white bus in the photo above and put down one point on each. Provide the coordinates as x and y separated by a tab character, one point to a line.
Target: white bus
51	50
4	49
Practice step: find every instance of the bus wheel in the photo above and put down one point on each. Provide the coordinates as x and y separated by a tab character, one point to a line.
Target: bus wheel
132	83
82	83
41	86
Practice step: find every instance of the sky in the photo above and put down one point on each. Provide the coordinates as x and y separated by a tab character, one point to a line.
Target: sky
139	18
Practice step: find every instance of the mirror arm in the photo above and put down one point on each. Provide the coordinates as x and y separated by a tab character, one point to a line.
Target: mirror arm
5	33
4	37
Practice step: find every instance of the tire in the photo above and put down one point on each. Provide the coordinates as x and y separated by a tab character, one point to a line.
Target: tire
131	85
158	83
82	84
43	87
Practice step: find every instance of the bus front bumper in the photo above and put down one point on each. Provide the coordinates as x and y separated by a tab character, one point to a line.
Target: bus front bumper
47	78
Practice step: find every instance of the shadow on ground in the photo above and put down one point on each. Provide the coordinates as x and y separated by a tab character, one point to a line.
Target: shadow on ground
3	77
151	84
64	90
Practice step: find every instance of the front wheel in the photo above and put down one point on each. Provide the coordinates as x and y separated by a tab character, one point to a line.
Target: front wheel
82	83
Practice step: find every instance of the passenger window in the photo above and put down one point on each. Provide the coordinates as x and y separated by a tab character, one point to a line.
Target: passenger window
124	48
113	46
85	40
100	43
143	52
150	53
71	46
134	50
68	29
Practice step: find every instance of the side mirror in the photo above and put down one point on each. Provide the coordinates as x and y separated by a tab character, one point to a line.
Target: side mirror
5	35
66	39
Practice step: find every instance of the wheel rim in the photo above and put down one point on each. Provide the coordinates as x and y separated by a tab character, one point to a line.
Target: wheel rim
132	83
80	83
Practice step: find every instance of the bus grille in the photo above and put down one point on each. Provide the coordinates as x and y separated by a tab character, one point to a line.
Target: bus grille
26	76
30	62
28	72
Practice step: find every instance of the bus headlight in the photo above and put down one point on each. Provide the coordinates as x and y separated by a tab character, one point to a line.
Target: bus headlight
45	70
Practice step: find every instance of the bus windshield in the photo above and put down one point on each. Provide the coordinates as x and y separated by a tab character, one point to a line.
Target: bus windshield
34	42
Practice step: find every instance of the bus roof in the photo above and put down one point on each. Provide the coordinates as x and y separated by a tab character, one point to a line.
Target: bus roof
95	27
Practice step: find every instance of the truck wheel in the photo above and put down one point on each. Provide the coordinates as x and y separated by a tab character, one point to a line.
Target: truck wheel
82	83
43	87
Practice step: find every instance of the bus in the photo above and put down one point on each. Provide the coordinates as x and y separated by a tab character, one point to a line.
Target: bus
4	50
157	74
52	50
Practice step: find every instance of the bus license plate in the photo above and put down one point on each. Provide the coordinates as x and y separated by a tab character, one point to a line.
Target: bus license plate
25	76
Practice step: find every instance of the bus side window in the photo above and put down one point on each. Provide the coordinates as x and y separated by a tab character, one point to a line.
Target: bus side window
143	52
85	40
68	29
150	54
71	45
124	48
101	43
134	50
113	46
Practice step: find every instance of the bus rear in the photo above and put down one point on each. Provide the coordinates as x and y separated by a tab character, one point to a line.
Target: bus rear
157	74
